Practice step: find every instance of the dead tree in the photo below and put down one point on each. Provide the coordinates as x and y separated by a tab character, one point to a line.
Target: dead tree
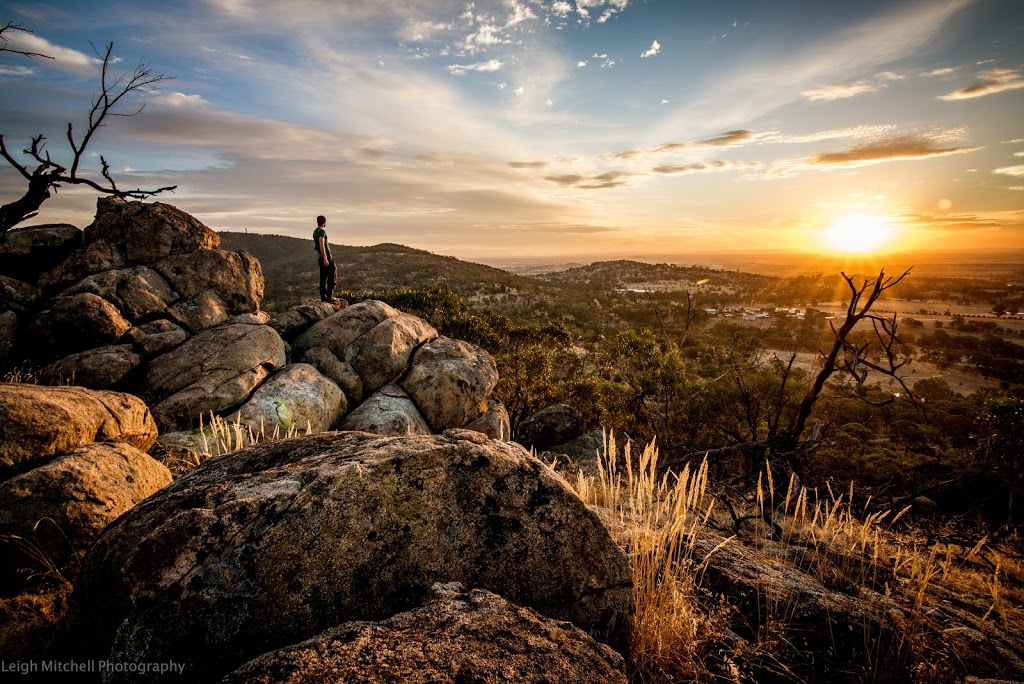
853	358
847	355
49	175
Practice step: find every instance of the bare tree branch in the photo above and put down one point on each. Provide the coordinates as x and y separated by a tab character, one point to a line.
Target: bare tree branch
11	26
49	175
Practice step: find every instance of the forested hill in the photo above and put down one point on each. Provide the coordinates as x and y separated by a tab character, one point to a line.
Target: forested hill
638	275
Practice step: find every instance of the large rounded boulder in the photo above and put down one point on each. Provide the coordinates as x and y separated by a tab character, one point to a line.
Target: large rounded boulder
377	340
214	371
38	422
450	381
297	397
274	544
127	233
459	636
63	505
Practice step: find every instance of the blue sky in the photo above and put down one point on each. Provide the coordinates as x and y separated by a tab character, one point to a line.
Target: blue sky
529	127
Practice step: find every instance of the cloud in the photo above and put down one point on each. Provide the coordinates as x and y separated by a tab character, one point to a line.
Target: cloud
419	31
486	36
561	8
727	139
890	76
960	222
990	82
610	179
894	148
838	91
651	51
518	13
177	100
702	167
62	57
529	165
1015	171
519	91
462	69
860	131
940	72
580	64
16	71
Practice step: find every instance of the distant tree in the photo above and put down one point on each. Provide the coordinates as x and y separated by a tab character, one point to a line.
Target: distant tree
48	174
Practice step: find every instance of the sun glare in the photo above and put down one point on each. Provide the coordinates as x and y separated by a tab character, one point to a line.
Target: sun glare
860	233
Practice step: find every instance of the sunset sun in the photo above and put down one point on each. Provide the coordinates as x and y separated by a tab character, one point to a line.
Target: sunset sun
859	233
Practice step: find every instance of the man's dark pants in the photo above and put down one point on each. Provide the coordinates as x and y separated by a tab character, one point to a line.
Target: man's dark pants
328	279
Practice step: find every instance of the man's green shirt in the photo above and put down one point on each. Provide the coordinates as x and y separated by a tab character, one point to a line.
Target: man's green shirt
317	234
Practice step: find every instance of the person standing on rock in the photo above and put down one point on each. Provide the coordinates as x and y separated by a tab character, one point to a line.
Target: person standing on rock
328	271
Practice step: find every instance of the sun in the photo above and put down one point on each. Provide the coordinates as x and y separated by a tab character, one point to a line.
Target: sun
858	233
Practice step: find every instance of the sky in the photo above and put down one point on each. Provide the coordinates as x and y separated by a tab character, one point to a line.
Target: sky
546	128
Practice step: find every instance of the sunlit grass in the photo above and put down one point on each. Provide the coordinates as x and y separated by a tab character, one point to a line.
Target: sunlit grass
858	550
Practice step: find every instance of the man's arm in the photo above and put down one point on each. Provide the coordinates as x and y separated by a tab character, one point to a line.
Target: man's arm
321	247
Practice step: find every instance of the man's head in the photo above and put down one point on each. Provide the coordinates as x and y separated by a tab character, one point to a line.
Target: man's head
321	221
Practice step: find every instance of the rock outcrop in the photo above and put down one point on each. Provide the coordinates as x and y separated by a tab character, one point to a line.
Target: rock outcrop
553	425
214	371
143	301
37	422
27	252
279	542
62	506
458	636
71	461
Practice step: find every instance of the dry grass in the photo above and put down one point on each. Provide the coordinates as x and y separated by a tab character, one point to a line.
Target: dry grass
871	555
656	519
217	437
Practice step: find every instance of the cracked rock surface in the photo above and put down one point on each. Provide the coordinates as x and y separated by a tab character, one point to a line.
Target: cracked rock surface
276	543
459	636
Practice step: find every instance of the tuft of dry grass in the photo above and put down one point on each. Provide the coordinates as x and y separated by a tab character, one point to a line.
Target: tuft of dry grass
656	520
217	437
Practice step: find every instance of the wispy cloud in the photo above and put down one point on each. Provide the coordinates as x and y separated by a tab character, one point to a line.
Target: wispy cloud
908	146
861	131
1015	171
63	58
894	148
529	165
989	82
943	71
727	139
839	91
489	65
708	167
651	51
922	220
178	100
610	179
16	70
